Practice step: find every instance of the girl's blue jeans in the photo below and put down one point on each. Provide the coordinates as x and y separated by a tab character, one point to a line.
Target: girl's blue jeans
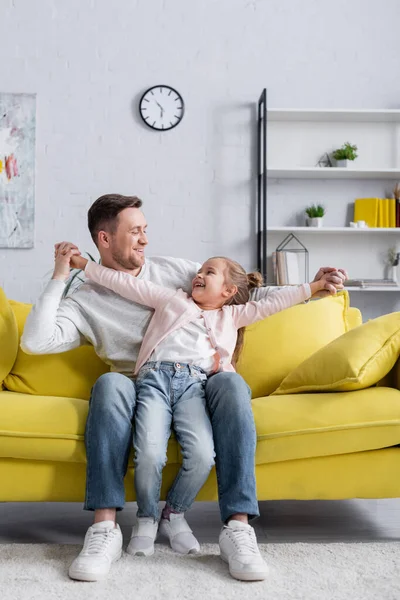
108	438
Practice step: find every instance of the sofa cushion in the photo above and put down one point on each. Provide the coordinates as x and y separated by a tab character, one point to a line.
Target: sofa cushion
310	425
288	427
69	374
356	360
47	428
277	345
8	337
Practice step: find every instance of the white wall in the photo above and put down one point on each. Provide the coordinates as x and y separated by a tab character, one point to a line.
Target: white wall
89	61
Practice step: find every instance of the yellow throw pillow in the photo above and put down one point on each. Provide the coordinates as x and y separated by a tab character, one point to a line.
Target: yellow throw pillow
357	360
8	337
68	374
277	345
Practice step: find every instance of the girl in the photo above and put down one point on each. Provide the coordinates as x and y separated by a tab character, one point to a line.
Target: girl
188	339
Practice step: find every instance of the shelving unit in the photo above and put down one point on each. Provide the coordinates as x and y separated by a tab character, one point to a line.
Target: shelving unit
290	144
373	289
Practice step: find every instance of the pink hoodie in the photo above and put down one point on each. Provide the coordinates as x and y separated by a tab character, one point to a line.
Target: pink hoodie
175	309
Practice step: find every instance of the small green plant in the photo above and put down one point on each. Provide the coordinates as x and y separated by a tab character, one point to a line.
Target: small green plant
72	281
346	152
315	211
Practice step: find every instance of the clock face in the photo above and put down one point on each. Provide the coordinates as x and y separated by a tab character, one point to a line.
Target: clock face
161	107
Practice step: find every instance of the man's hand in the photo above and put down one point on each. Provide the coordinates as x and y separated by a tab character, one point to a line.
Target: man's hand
64	254
333	279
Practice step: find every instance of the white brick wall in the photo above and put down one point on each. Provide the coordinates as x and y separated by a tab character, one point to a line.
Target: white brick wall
90	60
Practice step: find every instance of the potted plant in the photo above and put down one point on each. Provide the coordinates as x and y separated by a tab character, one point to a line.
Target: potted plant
315	214
345	155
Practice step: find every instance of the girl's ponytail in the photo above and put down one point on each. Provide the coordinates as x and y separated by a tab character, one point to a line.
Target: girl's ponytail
254	280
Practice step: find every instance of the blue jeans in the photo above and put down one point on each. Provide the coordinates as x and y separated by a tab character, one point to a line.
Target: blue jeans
171	394
108	439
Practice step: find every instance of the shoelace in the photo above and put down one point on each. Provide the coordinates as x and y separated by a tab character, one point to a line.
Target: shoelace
98	541
245	541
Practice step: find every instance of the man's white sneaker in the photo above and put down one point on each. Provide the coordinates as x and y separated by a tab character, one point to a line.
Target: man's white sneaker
144	533
102	547
180	535
238	546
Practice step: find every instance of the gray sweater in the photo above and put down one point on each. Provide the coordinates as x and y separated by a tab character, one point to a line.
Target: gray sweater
94	315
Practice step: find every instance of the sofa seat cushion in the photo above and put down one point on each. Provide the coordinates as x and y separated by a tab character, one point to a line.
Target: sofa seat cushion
47	428
277	345
311	425
288	427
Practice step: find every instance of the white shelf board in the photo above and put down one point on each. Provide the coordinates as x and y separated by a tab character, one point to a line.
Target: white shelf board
373	289
367	289
334	115
331	173
360	231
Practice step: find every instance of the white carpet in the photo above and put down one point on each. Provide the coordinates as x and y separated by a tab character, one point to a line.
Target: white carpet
362	571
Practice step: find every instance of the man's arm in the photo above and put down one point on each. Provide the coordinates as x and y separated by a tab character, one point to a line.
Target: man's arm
334	277
50	328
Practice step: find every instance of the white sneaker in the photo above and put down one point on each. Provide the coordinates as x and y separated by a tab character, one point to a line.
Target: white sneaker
180	535
102	547
143	536
238	546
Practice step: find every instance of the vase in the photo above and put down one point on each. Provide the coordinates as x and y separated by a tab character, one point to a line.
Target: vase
344	164
315	221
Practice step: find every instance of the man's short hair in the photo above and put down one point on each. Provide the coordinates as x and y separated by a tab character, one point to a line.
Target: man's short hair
104	212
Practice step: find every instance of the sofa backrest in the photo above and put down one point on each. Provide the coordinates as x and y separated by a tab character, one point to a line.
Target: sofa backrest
71	374
8	337
272	349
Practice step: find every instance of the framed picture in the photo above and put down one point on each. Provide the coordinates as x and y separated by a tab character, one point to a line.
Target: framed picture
17	170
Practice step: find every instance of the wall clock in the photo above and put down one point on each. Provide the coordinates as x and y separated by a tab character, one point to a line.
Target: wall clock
161	107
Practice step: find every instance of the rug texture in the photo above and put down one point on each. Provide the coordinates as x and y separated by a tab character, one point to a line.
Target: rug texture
362	571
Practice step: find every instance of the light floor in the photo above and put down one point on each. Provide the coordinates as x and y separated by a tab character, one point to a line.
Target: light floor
283	521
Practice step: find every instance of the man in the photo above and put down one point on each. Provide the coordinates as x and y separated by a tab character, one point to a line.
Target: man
115	327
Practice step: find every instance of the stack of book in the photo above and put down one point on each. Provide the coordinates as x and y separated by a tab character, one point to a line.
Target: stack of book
366	283
286	267
378	212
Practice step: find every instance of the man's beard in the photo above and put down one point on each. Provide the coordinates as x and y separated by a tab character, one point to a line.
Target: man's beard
130	263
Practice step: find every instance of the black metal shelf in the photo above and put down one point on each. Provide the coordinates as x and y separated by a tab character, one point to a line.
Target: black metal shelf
262	185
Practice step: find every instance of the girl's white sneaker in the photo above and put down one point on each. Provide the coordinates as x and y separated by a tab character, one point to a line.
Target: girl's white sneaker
180	536
144	534
102	547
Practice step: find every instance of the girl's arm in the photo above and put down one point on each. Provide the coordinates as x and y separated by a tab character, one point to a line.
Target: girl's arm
251	312
128	286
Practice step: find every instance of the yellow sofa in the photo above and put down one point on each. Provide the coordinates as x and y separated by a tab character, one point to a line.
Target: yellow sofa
310	446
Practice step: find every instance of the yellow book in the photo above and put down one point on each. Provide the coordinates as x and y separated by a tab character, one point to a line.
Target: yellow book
387	212
392	212
383	212
366	209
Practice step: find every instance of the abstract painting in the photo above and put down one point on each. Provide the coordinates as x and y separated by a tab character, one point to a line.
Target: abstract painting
17	170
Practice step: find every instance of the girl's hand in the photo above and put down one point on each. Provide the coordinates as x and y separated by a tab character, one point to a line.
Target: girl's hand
78	262
323	287
64	256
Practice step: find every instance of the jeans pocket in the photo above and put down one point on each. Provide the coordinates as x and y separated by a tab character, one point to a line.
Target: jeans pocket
143	373
202	377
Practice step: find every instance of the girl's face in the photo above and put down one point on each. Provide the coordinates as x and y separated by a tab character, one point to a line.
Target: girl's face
209	287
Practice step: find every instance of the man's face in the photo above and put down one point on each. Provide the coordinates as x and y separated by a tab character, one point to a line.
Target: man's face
129	240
